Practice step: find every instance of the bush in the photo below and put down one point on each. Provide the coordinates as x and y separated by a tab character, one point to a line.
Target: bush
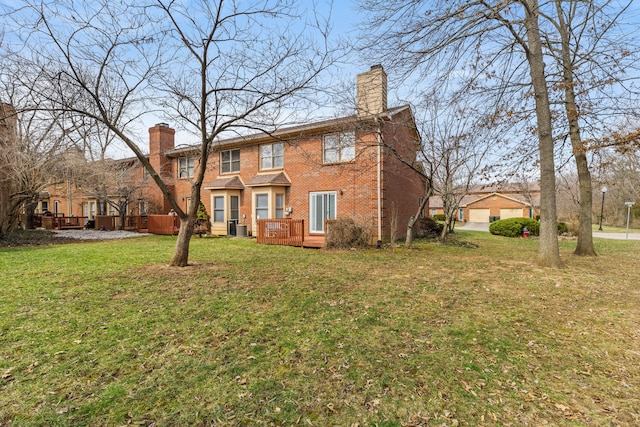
202	214
427	227
513	227
439	217
563	228
345	233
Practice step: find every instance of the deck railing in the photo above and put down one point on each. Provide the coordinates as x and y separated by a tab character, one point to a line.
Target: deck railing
112	222
163	224
280	231
63	222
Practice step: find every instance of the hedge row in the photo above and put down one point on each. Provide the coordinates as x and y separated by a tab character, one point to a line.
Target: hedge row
513	227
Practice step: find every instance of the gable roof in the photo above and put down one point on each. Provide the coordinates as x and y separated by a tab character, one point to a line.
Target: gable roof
225	183
292	131
512	197
435	202
269	179
505	188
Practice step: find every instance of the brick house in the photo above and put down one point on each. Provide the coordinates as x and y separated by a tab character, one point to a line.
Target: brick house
486	203
346	167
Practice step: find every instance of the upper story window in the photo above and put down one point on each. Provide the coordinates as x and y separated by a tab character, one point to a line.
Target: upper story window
185	167
339	147
230	161
272	156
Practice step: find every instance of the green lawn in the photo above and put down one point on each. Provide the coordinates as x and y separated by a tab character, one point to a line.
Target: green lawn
106	334
612	229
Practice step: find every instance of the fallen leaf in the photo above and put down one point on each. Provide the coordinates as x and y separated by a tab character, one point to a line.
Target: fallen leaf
8	373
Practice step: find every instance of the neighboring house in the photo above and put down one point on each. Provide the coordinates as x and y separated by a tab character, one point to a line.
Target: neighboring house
487	203
340	168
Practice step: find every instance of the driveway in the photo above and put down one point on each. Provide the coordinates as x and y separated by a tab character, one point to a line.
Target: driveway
484	226
474	226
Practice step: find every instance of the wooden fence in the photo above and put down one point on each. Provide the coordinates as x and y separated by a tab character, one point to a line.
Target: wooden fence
281	232
131	223
163	224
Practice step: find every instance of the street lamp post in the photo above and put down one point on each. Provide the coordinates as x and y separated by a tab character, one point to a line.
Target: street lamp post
629	204
604	190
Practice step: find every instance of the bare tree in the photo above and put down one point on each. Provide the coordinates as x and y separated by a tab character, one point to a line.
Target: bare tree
585	40
589	54
456	143
114	183
485	44
8	186
619	170
33	143
212	67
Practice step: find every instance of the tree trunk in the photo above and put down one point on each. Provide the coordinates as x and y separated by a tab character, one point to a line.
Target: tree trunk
29	211
584	246
409	239
445	229
548	250
122	213
181	255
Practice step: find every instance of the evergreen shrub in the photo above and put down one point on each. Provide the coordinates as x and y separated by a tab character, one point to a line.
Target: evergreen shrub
563	228
513	227
427	227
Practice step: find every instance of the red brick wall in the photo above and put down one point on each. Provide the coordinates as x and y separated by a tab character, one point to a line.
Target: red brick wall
403	187
354	182
161	139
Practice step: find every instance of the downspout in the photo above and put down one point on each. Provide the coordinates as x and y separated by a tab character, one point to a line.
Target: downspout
379	184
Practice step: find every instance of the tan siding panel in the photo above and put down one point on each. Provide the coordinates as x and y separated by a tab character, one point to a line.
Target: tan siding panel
511	213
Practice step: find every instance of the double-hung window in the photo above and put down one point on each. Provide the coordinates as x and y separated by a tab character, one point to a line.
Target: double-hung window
339	147
218	209
230	161
279	205
234	209
185	167
262	206
272	156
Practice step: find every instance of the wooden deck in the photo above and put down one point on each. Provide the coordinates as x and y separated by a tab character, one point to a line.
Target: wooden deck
287	232
313	242
63	222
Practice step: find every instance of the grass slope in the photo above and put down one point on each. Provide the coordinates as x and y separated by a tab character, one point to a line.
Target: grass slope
106	334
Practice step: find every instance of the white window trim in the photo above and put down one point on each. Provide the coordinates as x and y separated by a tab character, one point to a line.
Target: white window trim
222	209
189	169
341	136
230	162
312	211
272	145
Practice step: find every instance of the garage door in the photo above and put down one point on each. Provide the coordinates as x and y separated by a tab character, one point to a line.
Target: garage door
510	213
478	215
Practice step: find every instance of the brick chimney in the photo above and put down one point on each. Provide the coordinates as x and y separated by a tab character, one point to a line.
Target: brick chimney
161	139
371	91
8	122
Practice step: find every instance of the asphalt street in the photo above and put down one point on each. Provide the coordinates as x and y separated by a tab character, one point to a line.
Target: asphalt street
484	226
